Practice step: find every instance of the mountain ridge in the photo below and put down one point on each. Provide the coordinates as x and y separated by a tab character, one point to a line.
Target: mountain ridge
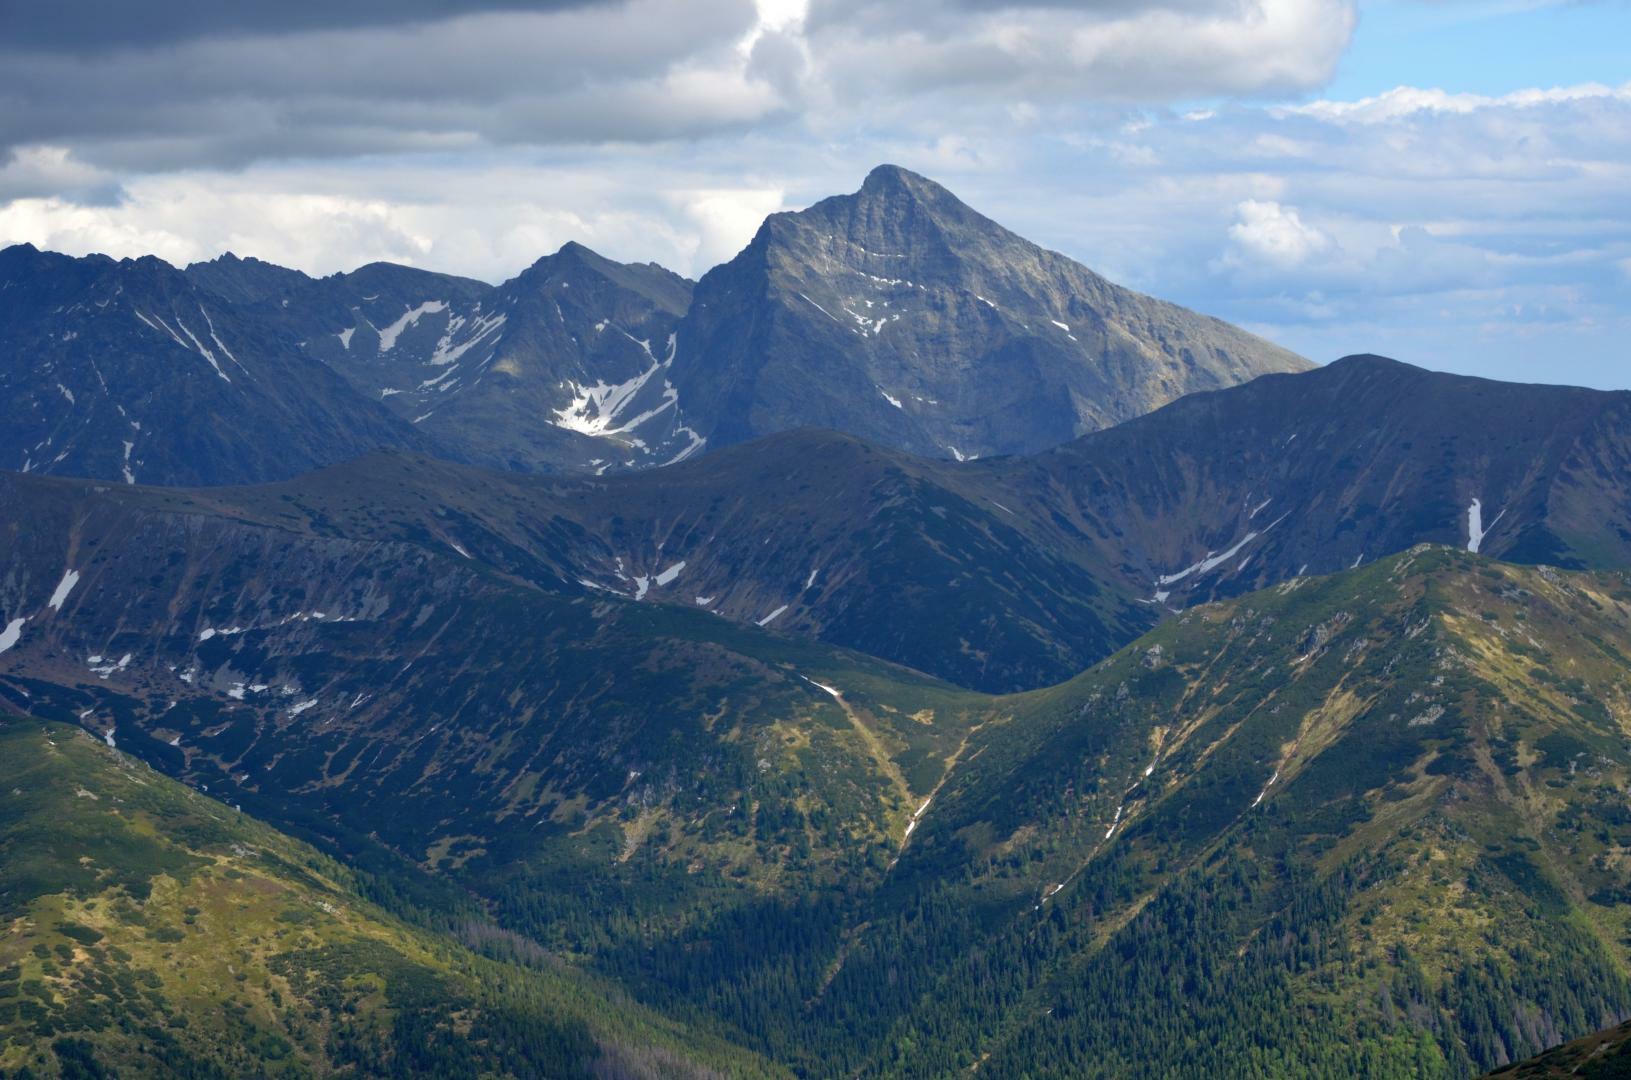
580	363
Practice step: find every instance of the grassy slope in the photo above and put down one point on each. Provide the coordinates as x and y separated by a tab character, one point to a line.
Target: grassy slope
1371	822
1428	884
152	931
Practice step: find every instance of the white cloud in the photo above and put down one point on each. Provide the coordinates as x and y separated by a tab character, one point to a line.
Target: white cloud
726	219
1058	52
1406	101
50	170
1267	232
487	224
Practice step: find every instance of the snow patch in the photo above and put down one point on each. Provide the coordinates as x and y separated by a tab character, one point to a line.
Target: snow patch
9	636
823	310
1214	560
202	351
595	410
670	574
103	668
1475	525
219	344
833	690
1266	787
483	328
768	619
388	336
64	587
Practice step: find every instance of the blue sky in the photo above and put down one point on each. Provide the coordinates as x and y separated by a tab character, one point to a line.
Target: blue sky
1484	48
1444	181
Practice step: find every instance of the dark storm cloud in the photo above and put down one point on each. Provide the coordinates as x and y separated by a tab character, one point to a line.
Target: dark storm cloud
144	87
269	87
97	25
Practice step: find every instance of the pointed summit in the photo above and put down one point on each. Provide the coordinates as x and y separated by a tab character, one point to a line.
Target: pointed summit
892	183
901	314
893	179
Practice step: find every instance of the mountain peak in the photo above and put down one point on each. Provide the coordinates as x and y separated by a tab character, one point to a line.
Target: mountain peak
905	316
893	185
573	253
887	177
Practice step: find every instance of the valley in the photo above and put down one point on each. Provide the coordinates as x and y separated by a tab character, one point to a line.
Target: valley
828	829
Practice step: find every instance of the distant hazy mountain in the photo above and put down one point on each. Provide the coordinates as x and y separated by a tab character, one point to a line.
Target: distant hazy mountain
896	314
901	315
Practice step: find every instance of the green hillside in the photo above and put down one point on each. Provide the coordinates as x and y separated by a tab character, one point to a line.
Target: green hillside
154	931
1369	824
1373	822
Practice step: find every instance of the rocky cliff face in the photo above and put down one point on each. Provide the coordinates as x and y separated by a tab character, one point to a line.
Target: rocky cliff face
901	315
